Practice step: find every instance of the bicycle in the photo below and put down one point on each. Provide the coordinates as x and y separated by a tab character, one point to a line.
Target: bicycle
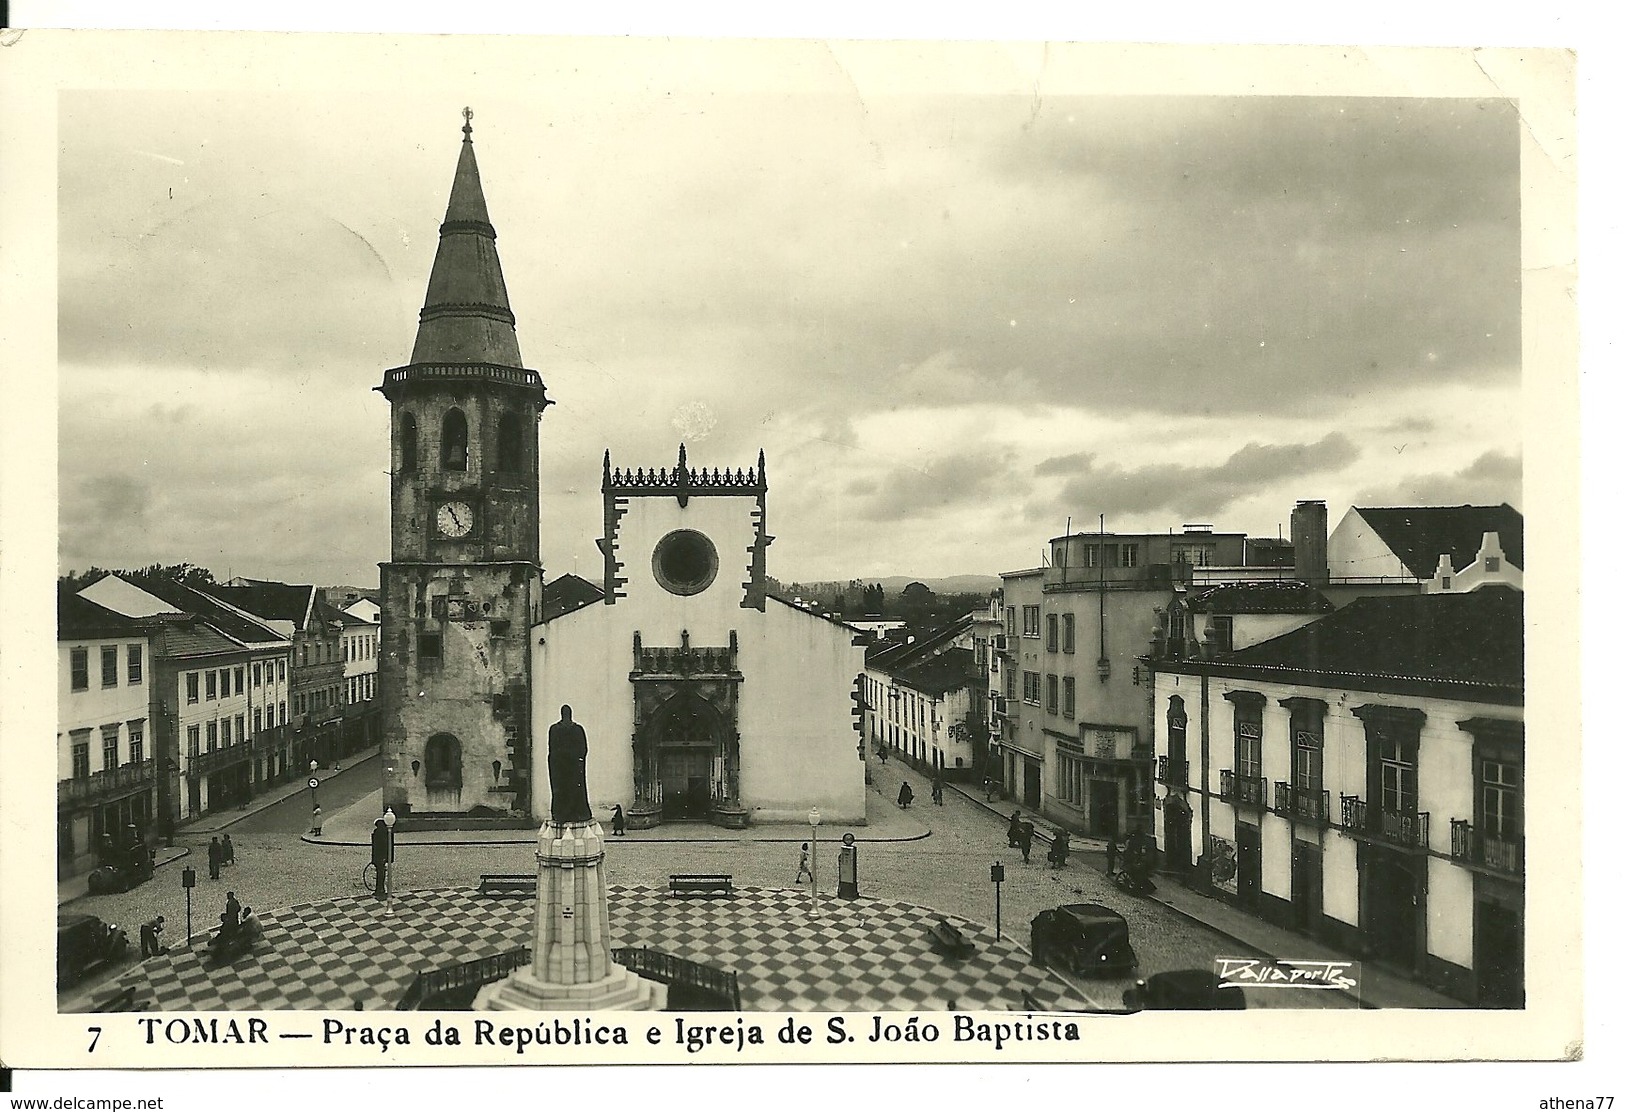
369	877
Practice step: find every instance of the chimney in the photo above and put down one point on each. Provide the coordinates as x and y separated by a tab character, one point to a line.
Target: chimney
1309	542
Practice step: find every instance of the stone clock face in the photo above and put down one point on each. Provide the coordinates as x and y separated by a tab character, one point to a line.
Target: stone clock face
454	519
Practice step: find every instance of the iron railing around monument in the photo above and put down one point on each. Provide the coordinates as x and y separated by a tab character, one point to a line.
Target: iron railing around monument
668	969
429	986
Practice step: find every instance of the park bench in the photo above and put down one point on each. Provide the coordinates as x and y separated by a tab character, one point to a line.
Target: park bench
948	939
707	885
507	884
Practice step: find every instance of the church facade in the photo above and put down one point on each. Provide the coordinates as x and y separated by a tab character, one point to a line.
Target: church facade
703	697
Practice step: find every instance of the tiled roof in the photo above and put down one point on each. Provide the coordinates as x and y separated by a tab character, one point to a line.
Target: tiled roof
943	672
192	638
1419	535
1472	640
77	616
892	655
1282	596
286	602
212	610
567	594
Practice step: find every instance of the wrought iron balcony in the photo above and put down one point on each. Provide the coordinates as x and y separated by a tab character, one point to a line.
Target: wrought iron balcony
1303	804
1245	791
1400	828
214	760
1172	772
105	784
1474	848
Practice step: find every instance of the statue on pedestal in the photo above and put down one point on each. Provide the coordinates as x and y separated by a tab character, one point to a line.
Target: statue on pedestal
567	769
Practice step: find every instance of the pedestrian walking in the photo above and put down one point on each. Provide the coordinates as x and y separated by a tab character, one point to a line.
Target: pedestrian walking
884	753
1013	835
1111	854
905	795
216	855
1026	842
805	868
228	852
617	822
151	947
233	912
316	820
936	792
987	786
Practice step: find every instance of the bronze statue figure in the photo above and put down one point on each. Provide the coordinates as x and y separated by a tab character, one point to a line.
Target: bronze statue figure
567	769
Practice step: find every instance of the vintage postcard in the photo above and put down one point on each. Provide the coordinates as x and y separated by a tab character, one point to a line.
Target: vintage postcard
583	551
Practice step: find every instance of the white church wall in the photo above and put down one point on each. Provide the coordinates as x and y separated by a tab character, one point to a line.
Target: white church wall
708	616
797	746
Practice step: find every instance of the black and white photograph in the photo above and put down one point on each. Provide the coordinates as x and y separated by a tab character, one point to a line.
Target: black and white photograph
972	546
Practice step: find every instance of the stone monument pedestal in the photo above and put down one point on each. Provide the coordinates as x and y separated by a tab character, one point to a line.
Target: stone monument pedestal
570	968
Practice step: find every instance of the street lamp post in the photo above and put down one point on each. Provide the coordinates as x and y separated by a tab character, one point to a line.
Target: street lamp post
188	882
389	869
813	819
315	804
998	908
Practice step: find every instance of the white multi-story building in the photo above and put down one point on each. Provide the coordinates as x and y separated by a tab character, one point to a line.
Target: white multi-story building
221	702
921	700
105	769
1360	778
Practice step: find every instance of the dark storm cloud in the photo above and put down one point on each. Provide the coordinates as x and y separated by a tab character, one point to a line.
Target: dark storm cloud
944	483
1491	479
1094	487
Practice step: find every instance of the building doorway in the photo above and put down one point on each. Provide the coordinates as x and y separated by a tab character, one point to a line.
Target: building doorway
1249	866
1102	808
688	758
1389	908
1176	834
1306	886
1498	955
685	783
1032	784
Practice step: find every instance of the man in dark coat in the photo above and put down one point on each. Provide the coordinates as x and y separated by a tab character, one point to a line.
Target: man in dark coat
905	795
233	913
617	821
215	856
1026	841
567	769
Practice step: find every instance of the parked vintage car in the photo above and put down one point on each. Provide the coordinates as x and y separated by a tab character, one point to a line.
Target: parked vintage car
84	942
1184	990
131	868
1089	939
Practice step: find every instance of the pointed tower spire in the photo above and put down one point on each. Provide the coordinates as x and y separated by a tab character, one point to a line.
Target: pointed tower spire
466	317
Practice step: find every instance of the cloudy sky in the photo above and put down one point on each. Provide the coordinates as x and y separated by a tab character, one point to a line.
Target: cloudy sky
952	321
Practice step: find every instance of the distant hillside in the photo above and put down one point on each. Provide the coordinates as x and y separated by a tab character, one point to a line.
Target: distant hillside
952	585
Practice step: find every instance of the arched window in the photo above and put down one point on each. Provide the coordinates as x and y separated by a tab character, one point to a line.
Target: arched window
454	441
443	762
510	443
409	442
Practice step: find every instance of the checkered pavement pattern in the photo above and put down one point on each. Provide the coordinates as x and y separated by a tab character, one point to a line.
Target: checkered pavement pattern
855	955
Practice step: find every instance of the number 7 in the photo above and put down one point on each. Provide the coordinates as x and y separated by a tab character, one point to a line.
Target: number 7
94	1041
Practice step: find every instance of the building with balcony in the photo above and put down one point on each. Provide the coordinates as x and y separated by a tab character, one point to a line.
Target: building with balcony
220	698
319	718
924	702
1360	779
105	768
1076	733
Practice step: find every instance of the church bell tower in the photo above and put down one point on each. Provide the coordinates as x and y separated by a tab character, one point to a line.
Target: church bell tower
463	583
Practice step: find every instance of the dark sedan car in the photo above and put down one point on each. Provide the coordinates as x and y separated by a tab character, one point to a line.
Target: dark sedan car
1089	939
84	942
1184	990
